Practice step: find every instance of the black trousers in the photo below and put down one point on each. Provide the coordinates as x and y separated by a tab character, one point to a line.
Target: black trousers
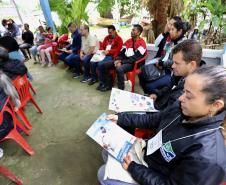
6	125
106	78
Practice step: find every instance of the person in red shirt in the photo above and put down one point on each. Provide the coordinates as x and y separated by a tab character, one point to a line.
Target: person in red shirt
111	46
132	50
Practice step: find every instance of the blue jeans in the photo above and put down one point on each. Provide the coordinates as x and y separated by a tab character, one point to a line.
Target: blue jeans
158	84
72	60
101	173
95	65
34	51
86	64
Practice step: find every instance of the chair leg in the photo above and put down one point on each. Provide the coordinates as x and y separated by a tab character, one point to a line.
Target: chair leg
10	175
21	141
21	126
36	105
24	118
32	88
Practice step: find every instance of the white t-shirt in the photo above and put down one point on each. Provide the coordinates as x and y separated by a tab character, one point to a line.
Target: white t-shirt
88	42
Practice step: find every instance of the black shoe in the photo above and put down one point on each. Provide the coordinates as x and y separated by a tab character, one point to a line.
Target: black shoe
92	82
105	88
100	86
76	75
84	80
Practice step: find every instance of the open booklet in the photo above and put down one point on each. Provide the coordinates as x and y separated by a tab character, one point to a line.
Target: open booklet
124	101
111	137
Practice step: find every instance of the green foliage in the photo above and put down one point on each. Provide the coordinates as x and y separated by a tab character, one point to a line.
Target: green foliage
69	11
210	12
127	7
105	6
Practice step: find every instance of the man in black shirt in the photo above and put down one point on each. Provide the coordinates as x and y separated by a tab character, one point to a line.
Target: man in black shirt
28	39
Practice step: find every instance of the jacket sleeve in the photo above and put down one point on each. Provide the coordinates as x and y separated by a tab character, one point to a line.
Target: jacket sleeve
161	92
77	43
114	52
190	171
148	121
16	67
133	58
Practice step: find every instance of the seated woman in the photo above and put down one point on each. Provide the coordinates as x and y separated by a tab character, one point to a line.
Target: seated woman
45	49
6	89
11	67
164	60
192	150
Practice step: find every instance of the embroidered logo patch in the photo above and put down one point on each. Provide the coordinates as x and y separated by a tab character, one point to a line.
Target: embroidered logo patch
167	151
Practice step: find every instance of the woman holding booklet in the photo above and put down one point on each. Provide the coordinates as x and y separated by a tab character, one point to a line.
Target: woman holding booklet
189	146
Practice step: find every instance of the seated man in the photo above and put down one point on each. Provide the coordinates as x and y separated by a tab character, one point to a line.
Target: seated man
132	50
89	46
186	58
28	41
71	52
111	46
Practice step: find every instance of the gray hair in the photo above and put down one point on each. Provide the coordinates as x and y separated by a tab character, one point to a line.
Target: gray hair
9	89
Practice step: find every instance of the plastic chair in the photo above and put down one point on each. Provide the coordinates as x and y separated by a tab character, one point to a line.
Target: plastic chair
31	87
22	86
62	41
131	75
4	171
13	134
144	133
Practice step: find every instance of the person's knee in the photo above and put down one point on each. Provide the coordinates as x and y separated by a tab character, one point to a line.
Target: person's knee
101	173
119	70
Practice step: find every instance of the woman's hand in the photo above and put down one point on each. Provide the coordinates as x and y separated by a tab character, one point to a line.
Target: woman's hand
127	161
112	117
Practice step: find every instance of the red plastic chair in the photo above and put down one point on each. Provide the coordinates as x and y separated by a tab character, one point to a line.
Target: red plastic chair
144	133
13	134
31	87
21	83
62	41
131	75
4	171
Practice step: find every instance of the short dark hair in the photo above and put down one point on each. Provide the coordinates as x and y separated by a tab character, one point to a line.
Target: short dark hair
71	23
4	22
139	27
191	51
176	18
26	24
111	27
9	43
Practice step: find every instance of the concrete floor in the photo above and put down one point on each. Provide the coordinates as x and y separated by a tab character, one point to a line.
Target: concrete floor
64	155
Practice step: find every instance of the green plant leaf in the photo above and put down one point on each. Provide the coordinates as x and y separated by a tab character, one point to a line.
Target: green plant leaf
216	21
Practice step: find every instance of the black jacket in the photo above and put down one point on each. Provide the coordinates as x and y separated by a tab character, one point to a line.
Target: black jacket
28	37
169	94
13	68
199	160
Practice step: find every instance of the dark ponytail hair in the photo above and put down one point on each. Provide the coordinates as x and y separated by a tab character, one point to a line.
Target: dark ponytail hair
184	26
214	86
176	18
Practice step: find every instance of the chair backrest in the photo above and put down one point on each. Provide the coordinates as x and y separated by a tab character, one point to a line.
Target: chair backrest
21	84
